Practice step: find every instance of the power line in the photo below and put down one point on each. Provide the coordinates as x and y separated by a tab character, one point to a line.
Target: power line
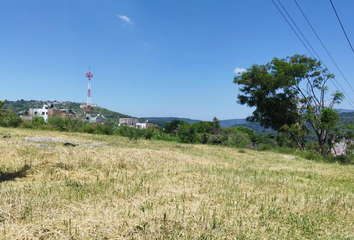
348	96
299	30
323	45
311	48
309	45
292	28
342	26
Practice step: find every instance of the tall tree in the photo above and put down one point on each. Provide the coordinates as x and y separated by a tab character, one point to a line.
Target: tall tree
216	122
289	95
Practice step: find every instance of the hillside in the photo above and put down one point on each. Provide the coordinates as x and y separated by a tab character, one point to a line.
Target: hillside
23	105
109	188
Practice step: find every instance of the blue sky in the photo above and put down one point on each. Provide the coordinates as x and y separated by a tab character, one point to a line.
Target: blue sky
157	57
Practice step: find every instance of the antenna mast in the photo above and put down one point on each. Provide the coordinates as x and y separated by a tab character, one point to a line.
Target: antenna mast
89	75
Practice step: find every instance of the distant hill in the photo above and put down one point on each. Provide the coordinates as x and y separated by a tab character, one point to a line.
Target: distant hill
346	118
223	123
232	122
340	110
170	119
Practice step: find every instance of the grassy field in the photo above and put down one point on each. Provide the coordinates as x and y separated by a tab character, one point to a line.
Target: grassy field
166	190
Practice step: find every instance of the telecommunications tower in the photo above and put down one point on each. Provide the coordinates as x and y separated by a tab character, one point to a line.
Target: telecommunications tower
89	75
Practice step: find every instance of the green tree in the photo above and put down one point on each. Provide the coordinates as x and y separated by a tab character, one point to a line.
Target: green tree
186	133
172	127
289	95
203	127
216	125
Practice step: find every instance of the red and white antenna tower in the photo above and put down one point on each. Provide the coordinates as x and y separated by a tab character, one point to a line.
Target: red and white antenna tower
89	75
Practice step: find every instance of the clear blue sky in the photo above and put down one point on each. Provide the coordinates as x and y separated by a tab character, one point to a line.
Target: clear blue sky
157	57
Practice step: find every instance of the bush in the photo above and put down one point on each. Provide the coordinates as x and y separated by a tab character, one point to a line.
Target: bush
310	155
129	132
10	120
344	158
266	147
238	139
203	138
87	128
311	146
59	123
105	129
38	123
148	133
159	135
218	139
186	133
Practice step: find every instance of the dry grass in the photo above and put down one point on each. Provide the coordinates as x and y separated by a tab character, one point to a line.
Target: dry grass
165	190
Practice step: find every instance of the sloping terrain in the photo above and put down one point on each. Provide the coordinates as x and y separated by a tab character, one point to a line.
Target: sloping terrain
22	105
105	187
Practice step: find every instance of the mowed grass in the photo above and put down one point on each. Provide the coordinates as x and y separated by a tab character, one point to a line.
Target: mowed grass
166	190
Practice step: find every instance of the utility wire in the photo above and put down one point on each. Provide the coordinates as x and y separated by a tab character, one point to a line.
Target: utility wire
324	46
299	30
342	26
293	29
348	96
307	47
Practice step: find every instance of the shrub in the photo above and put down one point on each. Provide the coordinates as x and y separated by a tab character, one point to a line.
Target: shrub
129	132
148	133
105	129
10	120
265	147
203	138
310	155
37	122
238	139
159	135
217	139
59	123
186	133
345	158
87	128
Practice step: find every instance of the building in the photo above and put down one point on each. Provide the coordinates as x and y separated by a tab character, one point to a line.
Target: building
98	119
39	112
144	125
131	122
47	112
340	148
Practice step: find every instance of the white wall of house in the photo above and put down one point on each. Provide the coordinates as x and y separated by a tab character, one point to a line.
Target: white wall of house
141	125
39	112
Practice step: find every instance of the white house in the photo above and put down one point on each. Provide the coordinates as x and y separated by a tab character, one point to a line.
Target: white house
144	125
39	112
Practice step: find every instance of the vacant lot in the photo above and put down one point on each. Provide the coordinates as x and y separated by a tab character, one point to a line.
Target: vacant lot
165	190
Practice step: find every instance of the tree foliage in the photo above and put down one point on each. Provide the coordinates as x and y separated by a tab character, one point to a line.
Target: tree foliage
289	95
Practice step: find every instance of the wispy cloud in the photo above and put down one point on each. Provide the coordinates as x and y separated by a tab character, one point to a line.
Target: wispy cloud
125	19
239	70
